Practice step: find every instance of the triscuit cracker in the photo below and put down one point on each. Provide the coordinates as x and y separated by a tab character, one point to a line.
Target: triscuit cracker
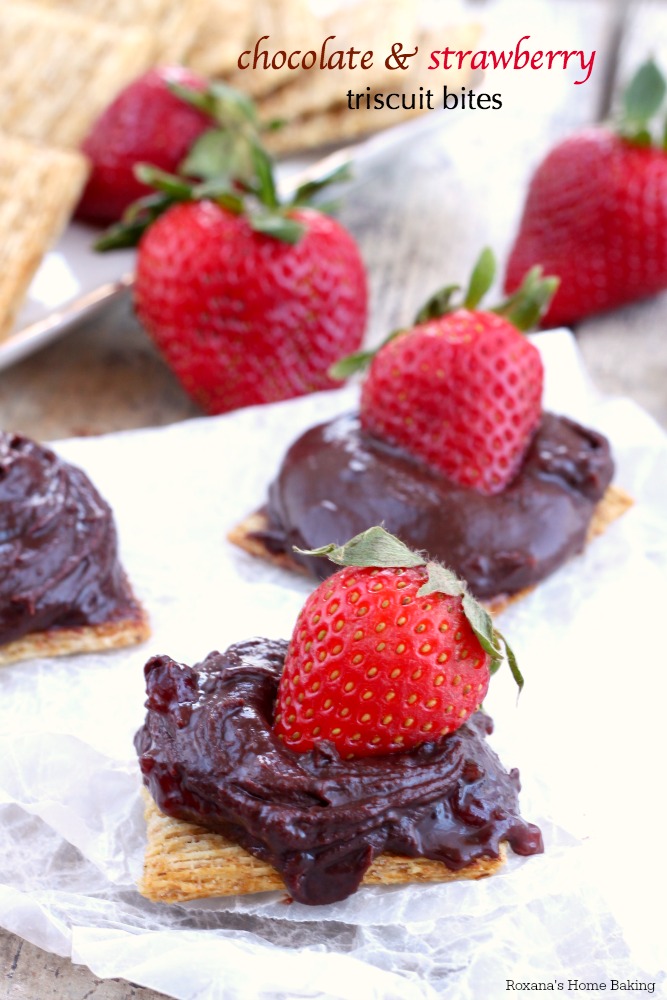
226	31
38	190
173	23
309	125
184	861
59	70
84	639
613	505
372	26
234	26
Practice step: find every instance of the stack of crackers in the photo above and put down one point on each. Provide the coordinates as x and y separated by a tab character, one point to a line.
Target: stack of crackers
63	62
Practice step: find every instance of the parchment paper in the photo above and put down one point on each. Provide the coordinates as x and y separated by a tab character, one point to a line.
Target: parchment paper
586	735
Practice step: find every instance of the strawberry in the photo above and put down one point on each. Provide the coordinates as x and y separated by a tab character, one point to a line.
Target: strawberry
596	212
250	301
387	653
244	318
147	122
462	389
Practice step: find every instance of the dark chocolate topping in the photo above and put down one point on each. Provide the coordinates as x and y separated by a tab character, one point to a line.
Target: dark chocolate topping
58	546
209	756
336	481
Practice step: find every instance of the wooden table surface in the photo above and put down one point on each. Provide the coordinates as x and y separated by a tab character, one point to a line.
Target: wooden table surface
420	216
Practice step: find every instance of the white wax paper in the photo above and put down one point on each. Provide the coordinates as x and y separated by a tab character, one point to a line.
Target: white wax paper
586	735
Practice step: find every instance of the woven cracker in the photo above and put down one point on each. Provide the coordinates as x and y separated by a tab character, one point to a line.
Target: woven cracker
225	32
174	24
59	70
184	861
316	112
233	26
84	639
613	505
38	190
373	25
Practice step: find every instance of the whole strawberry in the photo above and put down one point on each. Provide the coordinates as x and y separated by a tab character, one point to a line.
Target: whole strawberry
146	123
242	317
462	389
387	653
596	212
249	300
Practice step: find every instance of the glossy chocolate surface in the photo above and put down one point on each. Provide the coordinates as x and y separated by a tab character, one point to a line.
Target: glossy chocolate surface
58	545
208	756
336	481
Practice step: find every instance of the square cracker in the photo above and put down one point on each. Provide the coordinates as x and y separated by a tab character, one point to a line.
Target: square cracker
225	32
60	70
246	536
316	112
38	190
373	26
82	639
234	26
184	861
173	23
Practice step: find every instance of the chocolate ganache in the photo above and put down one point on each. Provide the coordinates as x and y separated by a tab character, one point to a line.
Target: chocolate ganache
58	546
336	481
209	756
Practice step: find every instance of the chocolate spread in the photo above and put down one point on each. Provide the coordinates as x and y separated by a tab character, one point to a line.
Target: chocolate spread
58	546
208	756
336	481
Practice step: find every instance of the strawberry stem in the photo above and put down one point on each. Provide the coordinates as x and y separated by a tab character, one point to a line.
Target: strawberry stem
523	309
640	104
376	547
528	304
373	547
438	305
228	164
481	279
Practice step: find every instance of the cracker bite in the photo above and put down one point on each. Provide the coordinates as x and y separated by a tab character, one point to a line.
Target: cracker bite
354	753
39	187
451	450
63	589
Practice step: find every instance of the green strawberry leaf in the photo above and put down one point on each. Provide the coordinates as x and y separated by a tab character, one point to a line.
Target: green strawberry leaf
138	217
350	365
277	225
481	279
511	661
227	106
265	185
374	547
169	184
220	191
441	580
438	305
528	304
121	235
219	154
644	94
232	167
353	363
305	193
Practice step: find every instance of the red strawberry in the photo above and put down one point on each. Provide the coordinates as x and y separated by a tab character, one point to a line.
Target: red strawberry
462	391
242	317
146	123
386	655
596	214
249	300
